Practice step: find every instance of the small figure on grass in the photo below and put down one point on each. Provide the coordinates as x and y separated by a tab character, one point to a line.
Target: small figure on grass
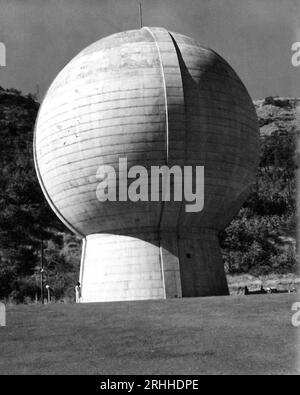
78	293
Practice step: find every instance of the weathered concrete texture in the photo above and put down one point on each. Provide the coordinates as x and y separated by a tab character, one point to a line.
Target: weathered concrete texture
121	268
118	267
156	98
201	265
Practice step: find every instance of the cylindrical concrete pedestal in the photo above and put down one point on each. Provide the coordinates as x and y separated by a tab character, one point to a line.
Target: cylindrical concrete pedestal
156	265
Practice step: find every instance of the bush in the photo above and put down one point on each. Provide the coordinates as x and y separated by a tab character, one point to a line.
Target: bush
260	240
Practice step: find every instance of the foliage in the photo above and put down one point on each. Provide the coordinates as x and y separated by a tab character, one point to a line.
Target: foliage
261	239
25	217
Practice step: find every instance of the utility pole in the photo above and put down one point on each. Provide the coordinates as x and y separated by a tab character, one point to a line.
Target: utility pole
42	272
49	295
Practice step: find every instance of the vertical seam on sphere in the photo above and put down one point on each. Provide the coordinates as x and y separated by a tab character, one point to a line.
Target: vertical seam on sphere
167	149
83	256
165	90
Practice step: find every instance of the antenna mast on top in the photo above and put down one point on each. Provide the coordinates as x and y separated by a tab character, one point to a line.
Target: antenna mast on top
141	15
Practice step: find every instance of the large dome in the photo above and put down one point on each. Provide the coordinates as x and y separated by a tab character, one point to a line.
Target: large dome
156	98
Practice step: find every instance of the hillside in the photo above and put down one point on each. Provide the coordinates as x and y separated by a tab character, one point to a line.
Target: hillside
260	240
276	114
26	221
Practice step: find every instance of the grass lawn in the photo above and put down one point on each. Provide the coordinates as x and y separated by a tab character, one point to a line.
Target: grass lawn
219	335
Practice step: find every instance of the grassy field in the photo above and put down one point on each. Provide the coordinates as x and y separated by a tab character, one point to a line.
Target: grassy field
229	335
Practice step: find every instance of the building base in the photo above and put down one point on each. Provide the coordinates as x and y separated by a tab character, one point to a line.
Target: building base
155	265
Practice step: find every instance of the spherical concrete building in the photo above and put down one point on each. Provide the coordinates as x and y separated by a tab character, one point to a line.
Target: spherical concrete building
155	98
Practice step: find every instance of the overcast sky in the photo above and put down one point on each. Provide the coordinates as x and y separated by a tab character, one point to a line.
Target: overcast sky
254	36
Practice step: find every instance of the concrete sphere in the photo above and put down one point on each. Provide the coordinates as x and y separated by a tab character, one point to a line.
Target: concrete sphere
156	98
